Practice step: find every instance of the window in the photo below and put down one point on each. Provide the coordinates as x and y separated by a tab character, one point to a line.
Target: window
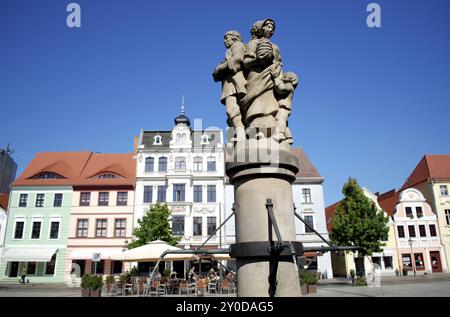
107	176
205	139
418	258
419	212
23	200
408	211
178	225
376	260
101	228
310	221
122	198
162	164
36	230
412	231
444	190
148	194
433	231
306	195
211	225
40	200
162	194
82	228
211	164
54	230
103	198
57	202
18	232
116	267
120	228
406	259
157	140
388	262
211	193
180	163
50	266
178	192
198	164
401	231
98	267
198	194
197	226
47	175
447	216
149	162
85	199
31	268
422	231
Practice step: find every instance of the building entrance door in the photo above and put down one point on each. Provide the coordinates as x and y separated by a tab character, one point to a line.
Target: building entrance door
14	271
436	261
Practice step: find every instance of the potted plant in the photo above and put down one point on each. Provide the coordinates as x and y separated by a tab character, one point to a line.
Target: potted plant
109	281
303	285
361	281
91	286
310	280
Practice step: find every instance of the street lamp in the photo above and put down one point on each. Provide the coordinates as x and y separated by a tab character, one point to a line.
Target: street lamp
413	261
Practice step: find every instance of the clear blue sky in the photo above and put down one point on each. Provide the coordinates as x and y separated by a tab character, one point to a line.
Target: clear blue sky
370	103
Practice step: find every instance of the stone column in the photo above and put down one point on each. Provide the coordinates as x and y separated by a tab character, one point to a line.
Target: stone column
255	180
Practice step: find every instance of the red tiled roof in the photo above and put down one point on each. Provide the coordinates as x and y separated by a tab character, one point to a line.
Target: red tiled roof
307	169
79	168
329	213
4	199
430	167
388	201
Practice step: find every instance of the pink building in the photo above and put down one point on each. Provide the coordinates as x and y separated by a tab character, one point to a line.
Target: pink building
101	218
418	240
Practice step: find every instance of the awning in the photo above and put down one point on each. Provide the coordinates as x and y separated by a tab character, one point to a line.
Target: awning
29	254
86	253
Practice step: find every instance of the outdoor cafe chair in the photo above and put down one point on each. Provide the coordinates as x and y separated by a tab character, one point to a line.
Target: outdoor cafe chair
224	285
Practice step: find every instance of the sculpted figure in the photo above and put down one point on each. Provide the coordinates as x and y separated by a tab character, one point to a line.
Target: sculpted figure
284	91
233	81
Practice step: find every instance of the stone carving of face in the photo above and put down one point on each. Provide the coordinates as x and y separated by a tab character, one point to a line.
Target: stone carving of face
267	29
229	40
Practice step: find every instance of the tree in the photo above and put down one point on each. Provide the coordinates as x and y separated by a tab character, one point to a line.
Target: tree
153	226
358	222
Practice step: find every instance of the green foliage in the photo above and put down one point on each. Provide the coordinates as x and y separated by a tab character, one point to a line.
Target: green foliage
153	226
361	281
166	272
134	271
110	279
307	278
358	222
91	282
125	278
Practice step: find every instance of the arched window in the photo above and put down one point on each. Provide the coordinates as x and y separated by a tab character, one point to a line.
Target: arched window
198	164
162	164
205	139
157	140
149	161
180	163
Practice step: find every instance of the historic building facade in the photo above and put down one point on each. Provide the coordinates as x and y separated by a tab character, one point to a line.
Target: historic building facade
101	219
184	169
309	202
38	217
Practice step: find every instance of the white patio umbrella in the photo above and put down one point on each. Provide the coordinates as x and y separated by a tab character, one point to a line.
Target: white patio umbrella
151	252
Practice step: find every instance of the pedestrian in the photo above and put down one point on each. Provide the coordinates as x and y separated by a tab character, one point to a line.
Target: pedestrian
24	274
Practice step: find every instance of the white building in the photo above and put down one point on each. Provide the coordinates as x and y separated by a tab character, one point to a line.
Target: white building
309	202
3	216
185	169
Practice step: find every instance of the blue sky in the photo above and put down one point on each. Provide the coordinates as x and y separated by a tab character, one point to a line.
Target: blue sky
370	103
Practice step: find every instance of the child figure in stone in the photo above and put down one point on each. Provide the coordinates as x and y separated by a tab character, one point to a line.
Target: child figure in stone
284	90
233	81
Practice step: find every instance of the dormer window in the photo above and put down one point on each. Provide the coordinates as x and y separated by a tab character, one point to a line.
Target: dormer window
157	140
205	139
106	176
47	175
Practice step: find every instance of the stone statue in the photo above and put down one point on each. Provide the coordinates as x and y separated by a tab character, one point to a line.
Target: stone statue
233	81
255	91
